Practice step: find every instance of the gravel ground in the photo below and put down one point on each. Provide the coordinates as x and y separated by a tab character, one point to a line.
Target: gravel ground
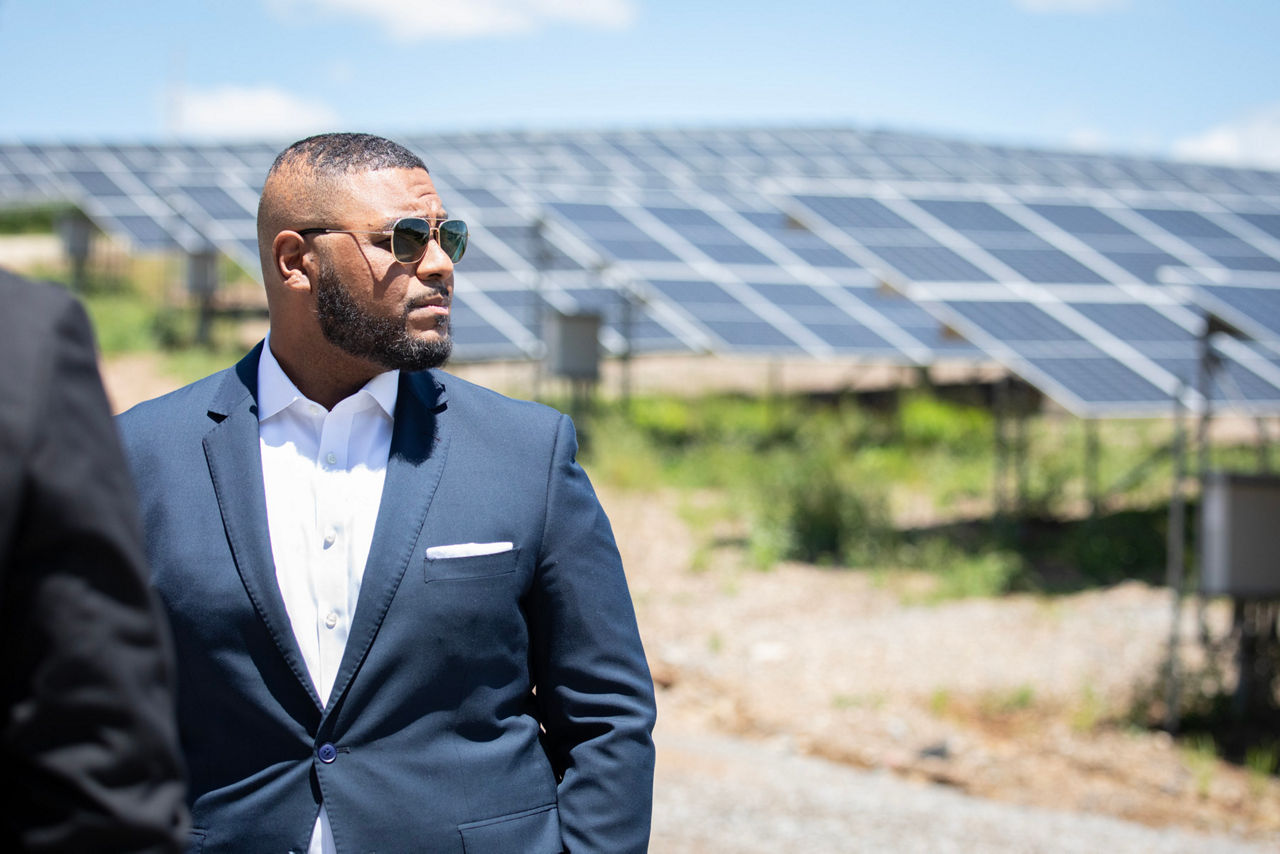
732	796
976	725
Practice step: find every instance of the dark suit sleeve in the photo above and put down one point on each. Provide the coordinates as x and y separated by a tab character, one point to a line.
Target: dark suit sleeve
89	737
593	682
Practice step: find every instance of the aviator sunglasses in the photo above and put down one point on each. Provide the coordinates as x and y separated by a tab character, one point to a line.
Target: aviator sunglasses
411	235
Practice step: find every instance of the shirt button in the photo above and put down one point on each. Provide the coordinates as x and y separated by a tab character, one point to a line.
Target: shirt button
327	753
331	459
331	619
329	536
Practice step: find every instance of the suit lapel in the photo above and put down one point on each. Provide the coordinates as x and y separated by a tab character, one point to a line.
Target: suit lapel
419	443
235	465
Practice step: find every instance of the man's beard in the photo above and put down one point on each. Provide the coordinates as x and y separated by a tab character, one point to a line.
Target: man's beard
382	340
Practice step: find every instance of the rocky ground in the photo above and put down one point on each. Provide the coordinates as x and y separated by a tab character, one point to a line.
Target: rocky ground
1017	702
808	709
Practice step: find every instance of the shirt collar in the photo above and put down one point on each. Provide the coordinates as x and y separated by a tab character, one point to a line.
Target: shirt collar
276	392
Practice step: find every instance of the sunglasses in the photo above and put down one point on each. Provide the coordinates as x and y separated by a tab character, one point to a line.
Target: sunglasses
411	236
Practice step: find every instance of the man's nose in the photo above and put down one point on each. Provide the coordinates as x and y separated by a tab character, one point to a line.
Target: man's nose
434	263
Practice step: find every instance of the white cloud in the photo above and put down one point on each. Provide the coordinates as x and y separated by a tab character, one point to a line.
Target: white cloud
236	112
406	21
1251	140
1070	7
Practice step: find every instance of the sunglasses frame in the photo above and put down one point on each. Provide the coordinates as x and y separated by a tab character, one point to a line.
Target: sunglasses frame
433	233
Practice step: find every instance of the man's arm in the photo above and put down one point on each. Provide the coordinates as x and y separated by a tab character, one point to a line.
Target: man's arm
89	737
593	681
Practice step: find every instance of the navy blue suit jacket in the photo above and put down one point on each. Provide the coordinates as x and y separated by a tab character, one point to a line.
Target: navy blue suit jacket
499	703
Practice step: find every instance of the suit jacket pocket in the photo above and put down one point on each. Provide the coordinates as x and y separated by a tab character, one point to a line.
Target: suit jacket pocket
535	831
475	566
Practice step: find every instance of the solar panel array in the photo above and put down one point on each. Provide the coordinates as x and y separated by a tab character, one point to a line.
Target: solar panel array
1081	272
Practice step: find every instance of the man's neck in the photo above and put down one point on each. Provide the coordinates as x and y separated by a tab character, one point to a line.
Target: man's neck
327	378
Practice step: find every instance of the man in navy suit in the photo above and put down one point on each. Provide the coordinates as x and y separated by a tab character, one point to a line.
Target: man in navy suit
400	615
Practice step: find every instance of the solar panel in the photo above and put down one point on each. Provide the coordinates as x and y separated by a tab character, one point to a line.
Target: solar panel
968	216
1101	381
929	263
1046	266
853	213
1015	322
803	243
1267	222
1134	322
1081	220
1253	309
1062	265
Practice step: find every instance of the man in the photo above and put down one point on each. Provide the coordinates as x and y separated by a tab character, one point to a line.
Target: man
87	733
400	615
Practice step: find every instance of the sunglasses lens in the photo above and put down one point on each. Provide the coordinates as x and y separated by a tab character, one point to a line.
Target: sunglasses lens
453	238
409	239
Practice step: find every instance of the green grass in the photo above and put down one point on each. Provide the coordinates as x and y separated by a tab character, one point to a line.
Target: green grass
123	322
829	482
30	219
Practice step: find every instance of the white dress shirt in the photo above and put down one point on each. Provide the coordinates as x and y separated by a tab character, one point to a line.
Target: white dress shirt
323	472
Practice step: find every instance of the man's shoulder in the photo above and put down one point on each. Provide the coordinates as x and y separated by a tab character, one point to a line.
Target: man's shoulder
471	396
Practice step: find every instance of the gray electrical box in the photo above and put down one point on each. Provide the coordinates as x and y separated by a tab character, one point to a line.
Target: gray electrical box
77	234
573	346
1240	535
202	273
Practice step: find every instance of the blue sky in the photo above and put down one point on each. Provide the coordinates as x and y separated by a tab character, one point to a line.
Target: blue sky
1197	80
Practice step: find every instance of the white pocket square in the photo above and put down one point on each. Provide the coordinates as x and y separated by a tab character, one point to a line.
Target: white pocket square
467	550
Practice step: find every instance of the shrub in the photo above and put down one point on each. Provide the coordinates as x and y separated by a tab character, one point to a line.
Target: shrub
927	422
806	510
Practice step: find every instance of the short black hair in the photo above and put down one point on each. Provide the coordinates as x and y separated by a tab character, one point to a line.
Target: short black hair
333	154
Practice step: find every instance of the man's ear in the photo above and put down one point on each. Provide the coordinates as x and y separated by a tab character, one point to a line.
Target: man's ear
289	251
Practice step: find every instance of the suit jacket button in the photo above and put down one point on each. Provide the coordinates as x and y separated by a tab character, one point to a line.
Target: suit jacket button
327	753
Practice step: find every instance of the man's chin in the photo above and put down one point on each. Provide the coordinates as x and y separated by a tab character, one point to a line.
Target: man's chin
423	353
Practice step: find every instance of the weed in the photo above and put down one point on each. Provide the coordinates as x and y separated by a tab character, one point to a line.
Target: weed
927	422
962	575
1019	698
939	702
1088	712
1263	759
1262	762
1200	755
857	701
1014	700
